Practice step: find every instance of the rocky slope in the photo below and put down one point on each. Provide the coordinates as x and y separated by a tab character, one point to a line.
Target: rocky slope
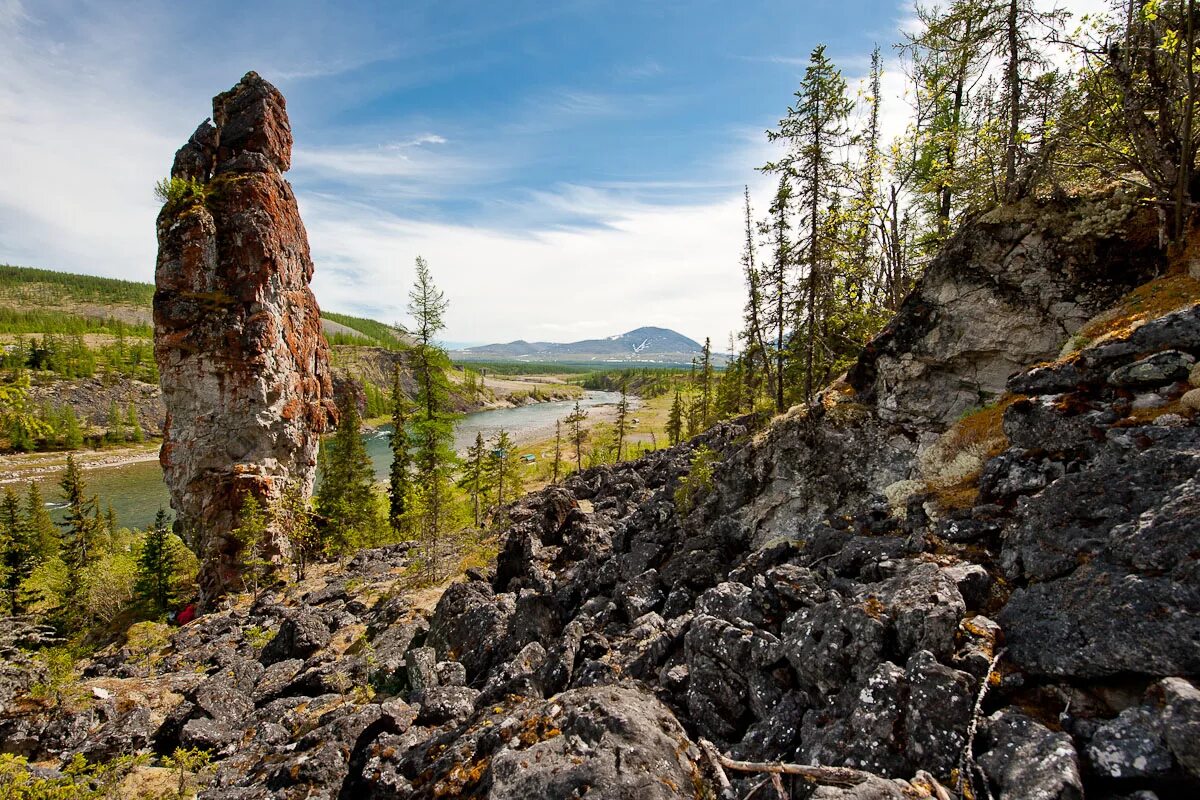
1003	604
242	361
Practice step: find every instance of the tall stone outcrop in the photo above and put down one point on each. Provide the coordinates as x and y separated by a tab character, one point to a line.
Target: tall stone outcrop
244	366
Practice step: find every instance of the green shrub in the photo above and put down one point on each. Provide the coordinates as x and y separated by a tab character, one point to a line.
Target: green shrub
697	483
176	193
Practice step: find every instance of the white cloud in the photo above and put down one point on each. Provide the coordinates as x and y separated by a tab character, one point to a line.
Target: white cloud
673	266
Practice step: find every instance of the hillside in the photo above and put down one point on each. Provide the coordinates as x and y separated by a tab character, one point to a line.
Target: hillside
46	301
646	345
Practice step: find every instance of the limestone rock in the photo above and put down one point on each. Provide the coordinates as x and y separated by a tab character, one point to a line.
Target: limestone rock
244	367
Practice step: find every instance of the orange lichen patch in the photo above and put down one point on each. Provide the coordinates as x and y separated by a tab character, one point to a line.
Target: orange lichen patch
983	428
1148	301
536	729
874	607
1146	416
961	494
462	778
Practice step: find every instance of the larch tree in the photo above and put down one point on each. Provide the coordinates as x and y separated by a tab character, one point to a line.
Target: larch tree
574	422
557	450
622	421
400	474
433	426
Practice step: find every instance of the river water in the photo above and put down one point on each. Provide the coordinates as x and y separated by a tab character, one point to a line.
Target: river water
136	491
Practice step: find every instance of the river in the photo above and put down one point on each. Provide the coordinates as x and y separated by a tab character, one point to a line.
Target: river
136	491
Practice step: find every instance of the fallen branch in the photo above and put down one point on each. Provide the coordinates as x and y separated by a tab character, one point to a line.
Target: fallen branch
831	776
966	761
714	758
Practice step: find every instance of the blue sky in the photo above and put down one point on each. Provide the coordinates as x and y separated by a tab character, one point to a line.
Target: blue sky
569	170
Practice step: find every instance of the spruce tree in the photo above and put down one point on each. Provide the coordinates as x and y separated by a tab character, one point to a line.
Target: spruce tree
622	422
557	450
399	477
154	584
675	419
578	432
345	497
504	468
17	552
43	533
80	528
475	476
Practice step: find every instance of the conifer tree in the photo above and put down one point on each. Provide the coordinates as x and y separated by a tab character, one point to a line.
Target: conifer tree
116	425
578	433
675	419
433	428
80	528
706	385
346	496
557	450
399	478
154	583
72	435
17	554
622	421
252	533
134	425
777	274
43	533
296	523
755	317
504	468
475	476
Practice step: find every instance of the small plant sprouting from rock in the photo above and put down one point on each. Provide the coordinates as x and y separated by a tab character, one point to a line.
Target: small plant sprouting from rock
697	483
187	763
176	193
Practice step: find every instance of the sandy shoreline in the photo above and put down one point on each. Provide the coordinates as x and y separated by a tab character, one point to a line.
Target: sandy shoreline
21	467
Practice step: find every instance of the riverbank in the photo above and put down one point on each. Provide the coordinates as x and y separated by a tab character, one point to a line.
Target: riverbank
25	467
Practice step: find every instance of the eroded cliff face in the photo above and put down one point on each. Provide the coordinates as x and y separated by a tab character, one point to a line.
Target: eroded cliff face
244	366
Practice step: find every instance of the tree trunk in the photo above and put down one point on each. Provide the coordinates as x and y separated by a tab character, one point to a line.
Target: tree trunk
1014	104
1187	152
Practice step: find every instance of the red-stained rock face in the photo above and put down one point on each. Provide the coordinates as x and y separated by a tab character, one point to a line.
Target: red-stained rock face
244	366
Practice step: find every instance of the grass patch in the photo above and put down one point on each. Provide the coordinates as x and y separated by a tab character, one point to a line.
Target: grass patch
1148	301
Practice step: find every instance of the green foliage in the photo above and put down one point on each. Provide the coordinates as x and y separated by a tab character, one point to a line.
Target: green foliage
188	764
577	433
253	534
697	483
504	468
179	194
434	460
79	779
400	473
345	496
80	529
299	528
156	565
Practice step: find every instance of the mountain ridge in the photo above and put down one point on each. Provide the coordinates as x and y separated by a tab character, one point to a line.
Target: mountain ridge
646	344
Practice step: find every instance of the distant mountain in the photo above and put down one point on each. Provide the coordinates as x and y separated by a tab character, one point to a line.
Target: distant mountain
643	346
